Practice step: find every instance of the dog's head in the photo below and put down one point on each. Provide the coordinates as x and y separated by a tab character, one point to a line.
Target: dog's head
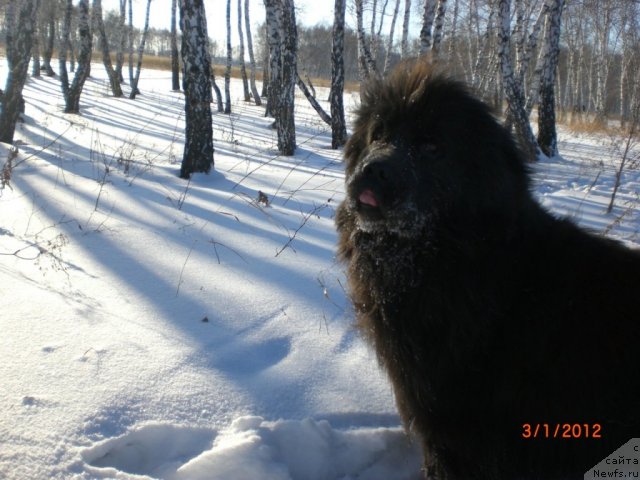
425	151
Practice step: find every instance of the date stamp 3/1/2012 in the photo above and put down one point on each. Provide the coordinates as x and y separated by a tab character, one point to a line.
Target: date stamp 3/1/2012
561	430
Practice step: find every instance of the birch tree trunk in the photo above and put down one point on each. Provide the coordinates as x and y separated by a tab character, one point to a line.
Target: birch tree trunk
438	26
376	36
454	31
389	46
122	39
336	94
266	56
252	60
404	46
35	48
513	91
175	57
217	91
285	121
114	81
227	72
428	15
603	27
312	100
47	51
130	42
198	145
273	20
72	92
136	79
19	44
547	135
366	62
243	69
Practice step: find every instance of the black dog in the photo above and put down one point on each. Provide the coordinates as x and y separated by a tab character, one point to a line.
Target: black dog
511	337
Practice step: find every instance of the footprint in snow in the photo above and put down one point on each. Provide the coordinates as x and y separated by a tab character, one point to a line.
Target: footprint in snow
157	451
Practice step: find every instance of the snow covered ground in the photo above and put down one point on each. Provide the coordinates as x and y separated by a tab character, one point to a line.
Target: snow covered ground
156	328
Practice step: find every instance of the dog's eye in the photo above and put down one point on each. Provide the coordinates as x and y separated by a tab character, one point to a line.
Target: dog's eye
376	133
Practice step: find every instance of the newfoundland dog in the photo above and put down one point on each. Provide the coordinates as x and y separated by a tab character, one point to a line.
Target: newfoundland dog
511	337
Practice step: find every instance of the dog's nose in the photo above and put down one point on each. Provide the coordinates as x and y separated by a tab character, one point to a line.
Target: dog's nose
378	170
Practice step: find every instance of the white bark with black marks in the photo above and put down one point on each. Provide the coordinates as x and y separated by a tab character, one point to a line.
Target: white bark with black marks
602	22
122	39
198	145
227	72
404	45
114	81
216	89
175	57
243	69
35	49
547	135
50	39
438	26
72	92
285	121
136	79
310	96
428	15
513	90
273	20
366	63
252	59
130	42
19	45
336	94
389	47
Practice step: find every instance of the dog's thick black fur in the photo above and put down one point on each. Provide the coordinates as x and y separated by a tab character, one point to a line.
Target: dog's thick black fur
487	312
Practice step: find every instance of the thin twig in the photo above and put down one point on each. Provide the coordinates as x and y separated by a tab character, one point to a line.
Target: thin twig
184	266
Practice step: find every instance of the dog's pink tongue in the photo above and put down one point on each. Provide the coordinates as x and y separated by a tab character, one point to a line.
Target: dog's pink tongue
368	198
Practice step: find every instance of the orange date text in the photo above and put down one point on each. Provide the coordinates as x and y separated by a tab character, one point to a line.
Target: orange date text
561	430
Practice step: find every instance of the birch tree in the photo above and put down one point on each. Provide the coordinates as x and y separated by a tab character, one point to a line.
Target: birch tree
432	24
366	62
252	60
285	121
310	96
175	58
122	39
387	54
603	11
198	145
438	26
547	136
513	90
130	42
428	15
336	94
273	21
227	72
114	81
404	45
243	69
50	12
35	48
216	89
19	41
136	79
72	92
